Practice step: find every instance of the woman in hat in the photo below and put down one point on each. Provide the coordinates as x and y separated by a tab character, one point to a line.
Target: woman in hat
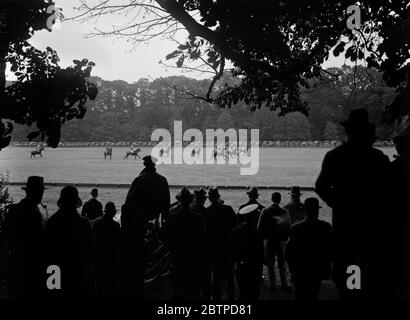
70	246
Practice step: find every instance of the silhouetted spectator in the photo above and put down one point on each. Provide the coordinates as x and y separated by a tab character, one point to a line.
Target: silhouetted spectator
309	252
149	192
352	182
295	207
198	207
147	199
107	237
184	235
92	209
253	195
400	223
23	239
247	253
221	220
70	245
274	225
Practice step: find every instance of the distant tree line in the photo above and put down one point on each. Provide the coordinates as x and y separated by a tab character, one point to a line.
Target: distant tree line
130	112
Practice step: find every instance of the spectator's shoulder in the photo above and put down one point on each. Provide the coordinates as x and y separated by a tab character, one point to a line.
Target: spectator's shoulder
85	222
228	208
51	222
298	225
324	224
336	152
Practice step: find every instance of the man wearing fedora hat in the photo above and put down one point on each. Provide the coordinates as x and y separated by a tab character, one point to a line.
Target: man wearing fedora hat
353	176
185	236
149	192
198	206
69	244
23	238
147	199
221	220
295	206
107	238
253	196
273	225
309	252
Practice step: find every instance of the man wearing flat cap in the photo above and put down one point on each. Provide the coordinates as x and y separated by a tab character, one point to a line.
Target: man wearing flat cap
352	182
23	238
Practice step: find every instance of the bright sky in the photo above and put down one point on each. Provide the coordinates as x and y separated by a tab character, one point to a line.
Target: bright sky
113	57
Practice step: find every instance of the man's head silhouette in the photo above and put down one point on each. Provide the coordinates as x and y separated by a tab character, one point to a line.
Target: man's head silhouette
185	196
213	194
110	210
94	193
253	193
276	197
312	208
69	198
34	189
358	128
295	192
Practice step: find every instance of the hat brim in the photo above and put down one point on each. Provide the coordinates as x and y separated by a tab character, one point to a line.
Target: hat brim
25	188
78	205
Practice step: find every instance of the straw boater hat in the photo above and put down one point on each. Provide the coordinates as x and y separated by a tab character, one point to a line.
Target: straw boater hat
248	209
34	182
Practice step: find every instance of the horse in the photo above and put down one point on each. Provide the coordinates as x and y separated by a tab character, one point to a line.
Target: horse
37	152
108	153
133	153
164	151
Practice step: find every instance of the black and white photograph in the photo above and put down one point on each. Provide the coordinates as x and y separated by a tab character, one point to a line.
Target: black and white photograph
209	153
